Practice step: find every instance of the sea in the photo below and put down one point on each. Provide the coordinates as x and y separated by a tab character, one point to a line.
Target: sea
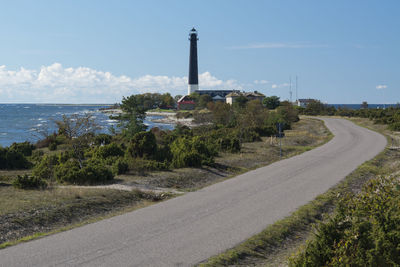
28	122
358	106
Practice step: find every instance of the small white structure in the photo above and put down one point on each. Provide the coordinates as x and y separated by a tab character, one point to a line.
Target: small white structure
304	102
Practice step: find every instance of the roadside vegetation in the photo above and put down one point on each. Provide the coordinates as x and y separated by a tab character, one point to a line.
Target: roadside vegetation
352	224
67	177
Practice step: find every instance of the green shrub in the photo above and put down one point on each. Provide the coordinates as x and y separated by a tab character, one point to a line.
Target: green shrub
110	150
11	159
37	155
29	182
71	173
248	135
46	141
44	169
53	146
365	230
24	148
143	144
120	167
229	143
395	126
192	152
102	139
60	139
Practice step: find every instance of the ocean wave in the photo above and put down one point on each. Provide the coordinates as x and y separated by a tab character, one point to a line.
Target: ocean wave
113	121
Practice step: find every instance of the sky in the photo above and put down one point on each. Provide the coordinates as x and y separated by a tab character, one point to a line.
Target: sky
99	51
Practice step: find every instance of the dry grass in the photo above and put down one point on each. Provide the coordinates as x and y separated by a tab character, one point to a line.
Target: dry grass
17	200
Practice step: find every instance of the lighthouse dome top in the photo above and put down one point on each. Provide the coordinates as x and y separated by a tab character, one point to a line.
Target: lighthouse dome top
193	31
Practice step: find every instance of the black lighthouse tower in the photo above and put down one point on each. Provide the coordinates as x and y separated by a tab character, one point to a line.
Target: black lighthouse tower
193	69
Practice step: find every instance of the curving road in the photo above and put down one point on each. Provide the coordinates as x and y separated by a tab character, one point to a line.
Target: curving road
188	229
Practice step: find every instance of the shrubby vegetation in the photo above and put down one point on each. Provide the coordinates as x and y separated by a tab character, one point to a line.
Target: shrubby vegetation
11	158
389	116
365	230
29	182
82	156
91	173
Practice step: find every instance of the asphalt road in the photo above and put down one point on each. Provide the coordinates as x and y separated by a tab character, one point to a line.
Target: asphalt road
188	229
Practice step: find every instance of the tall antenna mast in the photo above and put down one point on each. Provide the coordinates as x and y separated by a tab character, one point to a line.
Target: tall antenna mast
297	98
290	88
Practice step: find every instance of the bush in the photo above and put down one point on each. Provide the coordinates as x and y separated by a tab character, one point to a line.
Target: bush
365	230
120	167
24	148
46	141
143	144
229	143
110	150
395	126
53	146
102	139
248	135
45	168
11	159
191	152
37	155
29	182
71	173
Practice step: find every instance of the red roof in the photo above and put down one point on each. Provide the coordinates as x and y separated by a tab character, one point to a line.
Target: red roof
187	102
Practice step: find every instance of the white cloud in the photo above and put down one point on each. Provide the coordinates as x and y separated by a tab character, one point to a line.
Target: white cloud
274	86
381	86
56	84
261	82
278	45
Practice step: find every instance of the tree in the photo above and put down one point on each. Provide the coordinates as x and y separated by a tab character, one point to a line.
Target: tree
222	113
167	101
204	100
271	102
79	131
134	108
177	97
314	107
143	144
240	102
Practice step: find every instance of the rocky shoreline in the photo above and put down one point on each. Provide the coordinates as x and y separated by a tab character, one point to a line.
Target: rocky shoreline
170	118
166	117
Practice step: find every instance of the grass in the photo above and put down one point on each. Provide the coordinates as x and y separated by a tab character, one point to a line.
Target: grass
162	110
279	240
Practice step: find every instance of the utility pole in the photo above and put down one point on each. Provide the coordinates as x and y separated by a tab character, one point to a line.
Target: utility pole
280	135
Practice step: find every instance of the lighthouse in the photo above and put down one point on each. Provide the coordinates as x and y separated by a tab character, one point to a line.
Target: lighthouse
193	69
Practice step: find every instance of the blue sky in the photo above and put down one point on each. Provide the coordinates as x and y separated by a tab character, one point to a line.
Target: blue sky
99	51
